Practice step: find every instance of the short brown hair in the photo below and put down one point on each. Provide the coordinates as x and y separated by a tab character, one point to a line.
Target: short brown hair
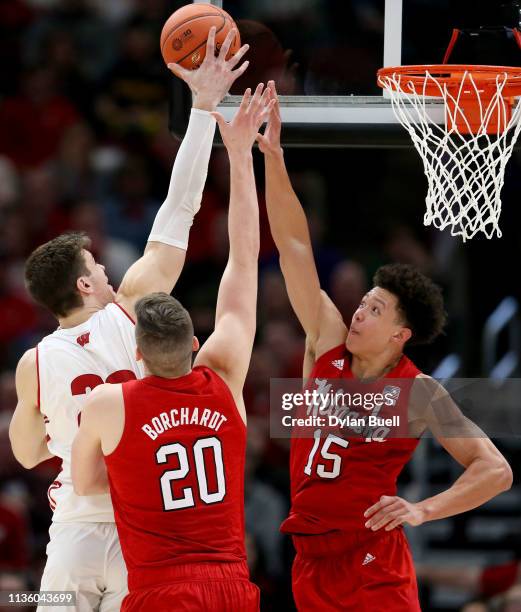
420	300
164	333
51	272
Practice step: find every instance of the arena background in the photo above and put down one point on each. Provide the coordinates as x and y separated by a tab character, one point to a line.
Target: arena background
84	145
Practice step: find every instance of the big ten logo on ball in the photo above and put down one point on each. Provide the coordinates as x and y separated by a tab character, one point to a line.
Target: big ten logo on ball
196	58
184	38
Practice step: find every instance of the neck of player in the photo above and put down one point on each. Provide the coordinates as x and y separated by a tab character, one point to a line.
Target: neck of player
375	366
79	315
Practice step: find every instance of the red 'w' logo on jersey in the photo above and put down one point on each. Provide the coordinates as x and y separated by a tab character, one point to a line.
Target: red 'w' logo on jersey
83	339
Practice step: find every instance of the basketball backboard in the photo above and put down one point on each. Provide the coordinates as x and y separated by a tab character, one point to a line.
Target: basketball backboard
324	55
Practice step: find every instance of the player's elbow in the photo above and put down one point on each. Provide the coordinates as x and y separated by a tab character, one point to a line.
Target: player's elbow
80	488
503	476
81	485
85	483
499	475
25	457
25	460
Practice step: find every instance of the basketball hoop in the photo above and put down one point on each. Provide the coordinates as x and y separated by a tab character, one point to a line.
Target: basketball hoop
464	159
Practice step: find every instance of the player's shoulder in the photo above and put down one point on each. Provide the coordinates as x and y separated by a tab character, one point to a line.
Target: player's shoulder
426	388
27	375
331	330
105	393
29	358
121	309
28	362
421	377
102	401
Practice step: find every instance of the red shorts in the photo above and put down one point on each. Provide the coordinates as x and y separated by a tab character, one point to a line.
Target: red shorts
208	587
371	572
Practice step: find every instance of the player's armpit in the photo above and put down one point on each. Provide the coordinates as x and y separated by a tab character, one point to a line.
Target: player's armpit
27	428
89	475
157	270
309	357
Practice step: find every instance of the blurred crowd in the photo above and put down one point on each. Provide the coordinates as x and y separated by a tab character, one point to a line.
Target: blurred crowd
84	145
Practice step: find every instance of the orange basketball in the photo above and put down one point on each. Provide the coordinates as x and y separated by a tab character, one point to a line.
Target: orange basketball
184	35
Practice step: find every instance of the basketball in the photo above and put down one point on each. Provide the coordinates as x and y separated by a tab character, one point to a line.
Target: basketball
184	35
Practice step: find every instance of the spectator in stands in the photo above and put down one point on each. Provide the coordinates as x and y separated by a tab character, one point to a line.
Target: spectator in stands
130	209
348	285
33	122
117	255
131	104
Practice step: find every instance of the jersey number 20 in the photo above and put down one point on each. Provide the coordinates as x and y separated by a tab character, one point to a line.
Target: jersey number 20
185	499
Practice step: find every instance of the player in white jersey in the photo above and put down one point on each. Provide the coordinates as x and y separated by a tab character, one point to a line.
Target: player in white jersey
95	344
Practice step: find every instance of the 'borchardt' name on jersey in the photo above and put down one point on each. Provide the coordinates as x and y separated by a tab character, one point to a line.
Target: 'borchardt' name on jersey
176	417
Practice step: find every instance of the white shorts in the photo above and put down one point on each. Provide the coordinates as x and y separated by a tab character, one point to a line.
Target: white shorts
85	558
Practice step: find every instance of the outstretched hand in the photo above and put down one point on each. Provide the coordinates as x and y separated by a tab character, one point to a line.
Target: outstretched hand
240	134
213	79
269	142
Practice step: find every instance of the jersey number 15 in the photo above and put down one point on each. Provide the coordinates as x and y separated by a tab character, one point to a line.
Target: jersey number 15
336	459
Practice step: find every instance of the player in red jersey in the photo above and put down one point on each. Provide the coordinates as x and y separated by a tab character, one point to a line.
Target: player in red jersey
95	343
174	442
345	516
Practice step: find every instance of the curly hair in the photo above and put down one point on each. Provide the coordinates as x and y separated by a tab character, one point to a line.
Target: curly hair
420	301
51	272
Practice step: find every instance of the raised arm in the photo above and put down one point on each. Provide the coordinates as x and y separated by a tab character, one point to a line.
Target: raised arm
161	265
228	349
289	228
27	427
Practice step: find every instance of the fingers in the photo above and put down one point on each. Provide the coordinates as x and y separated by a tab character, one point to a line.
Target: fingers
210	44
275	96
265	98
245	102
386	511
272	86
240	70
267	110
227	44
255	101
178	70
235	59
384	517
392	525
384	501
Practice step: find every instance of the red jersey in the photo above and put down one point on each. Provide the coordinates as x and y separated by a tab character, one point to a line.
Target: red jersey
335	480
177	475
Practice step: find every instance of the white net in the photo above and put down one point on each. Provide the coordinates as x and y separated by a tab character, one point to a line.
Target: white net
465	171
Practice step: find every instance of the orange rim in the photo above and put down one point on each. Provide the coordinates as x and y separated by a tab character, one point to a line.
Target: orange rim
451	75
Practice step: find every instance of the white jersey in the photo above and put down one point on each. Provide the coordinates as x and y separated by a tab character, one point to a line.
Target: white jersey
70	363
